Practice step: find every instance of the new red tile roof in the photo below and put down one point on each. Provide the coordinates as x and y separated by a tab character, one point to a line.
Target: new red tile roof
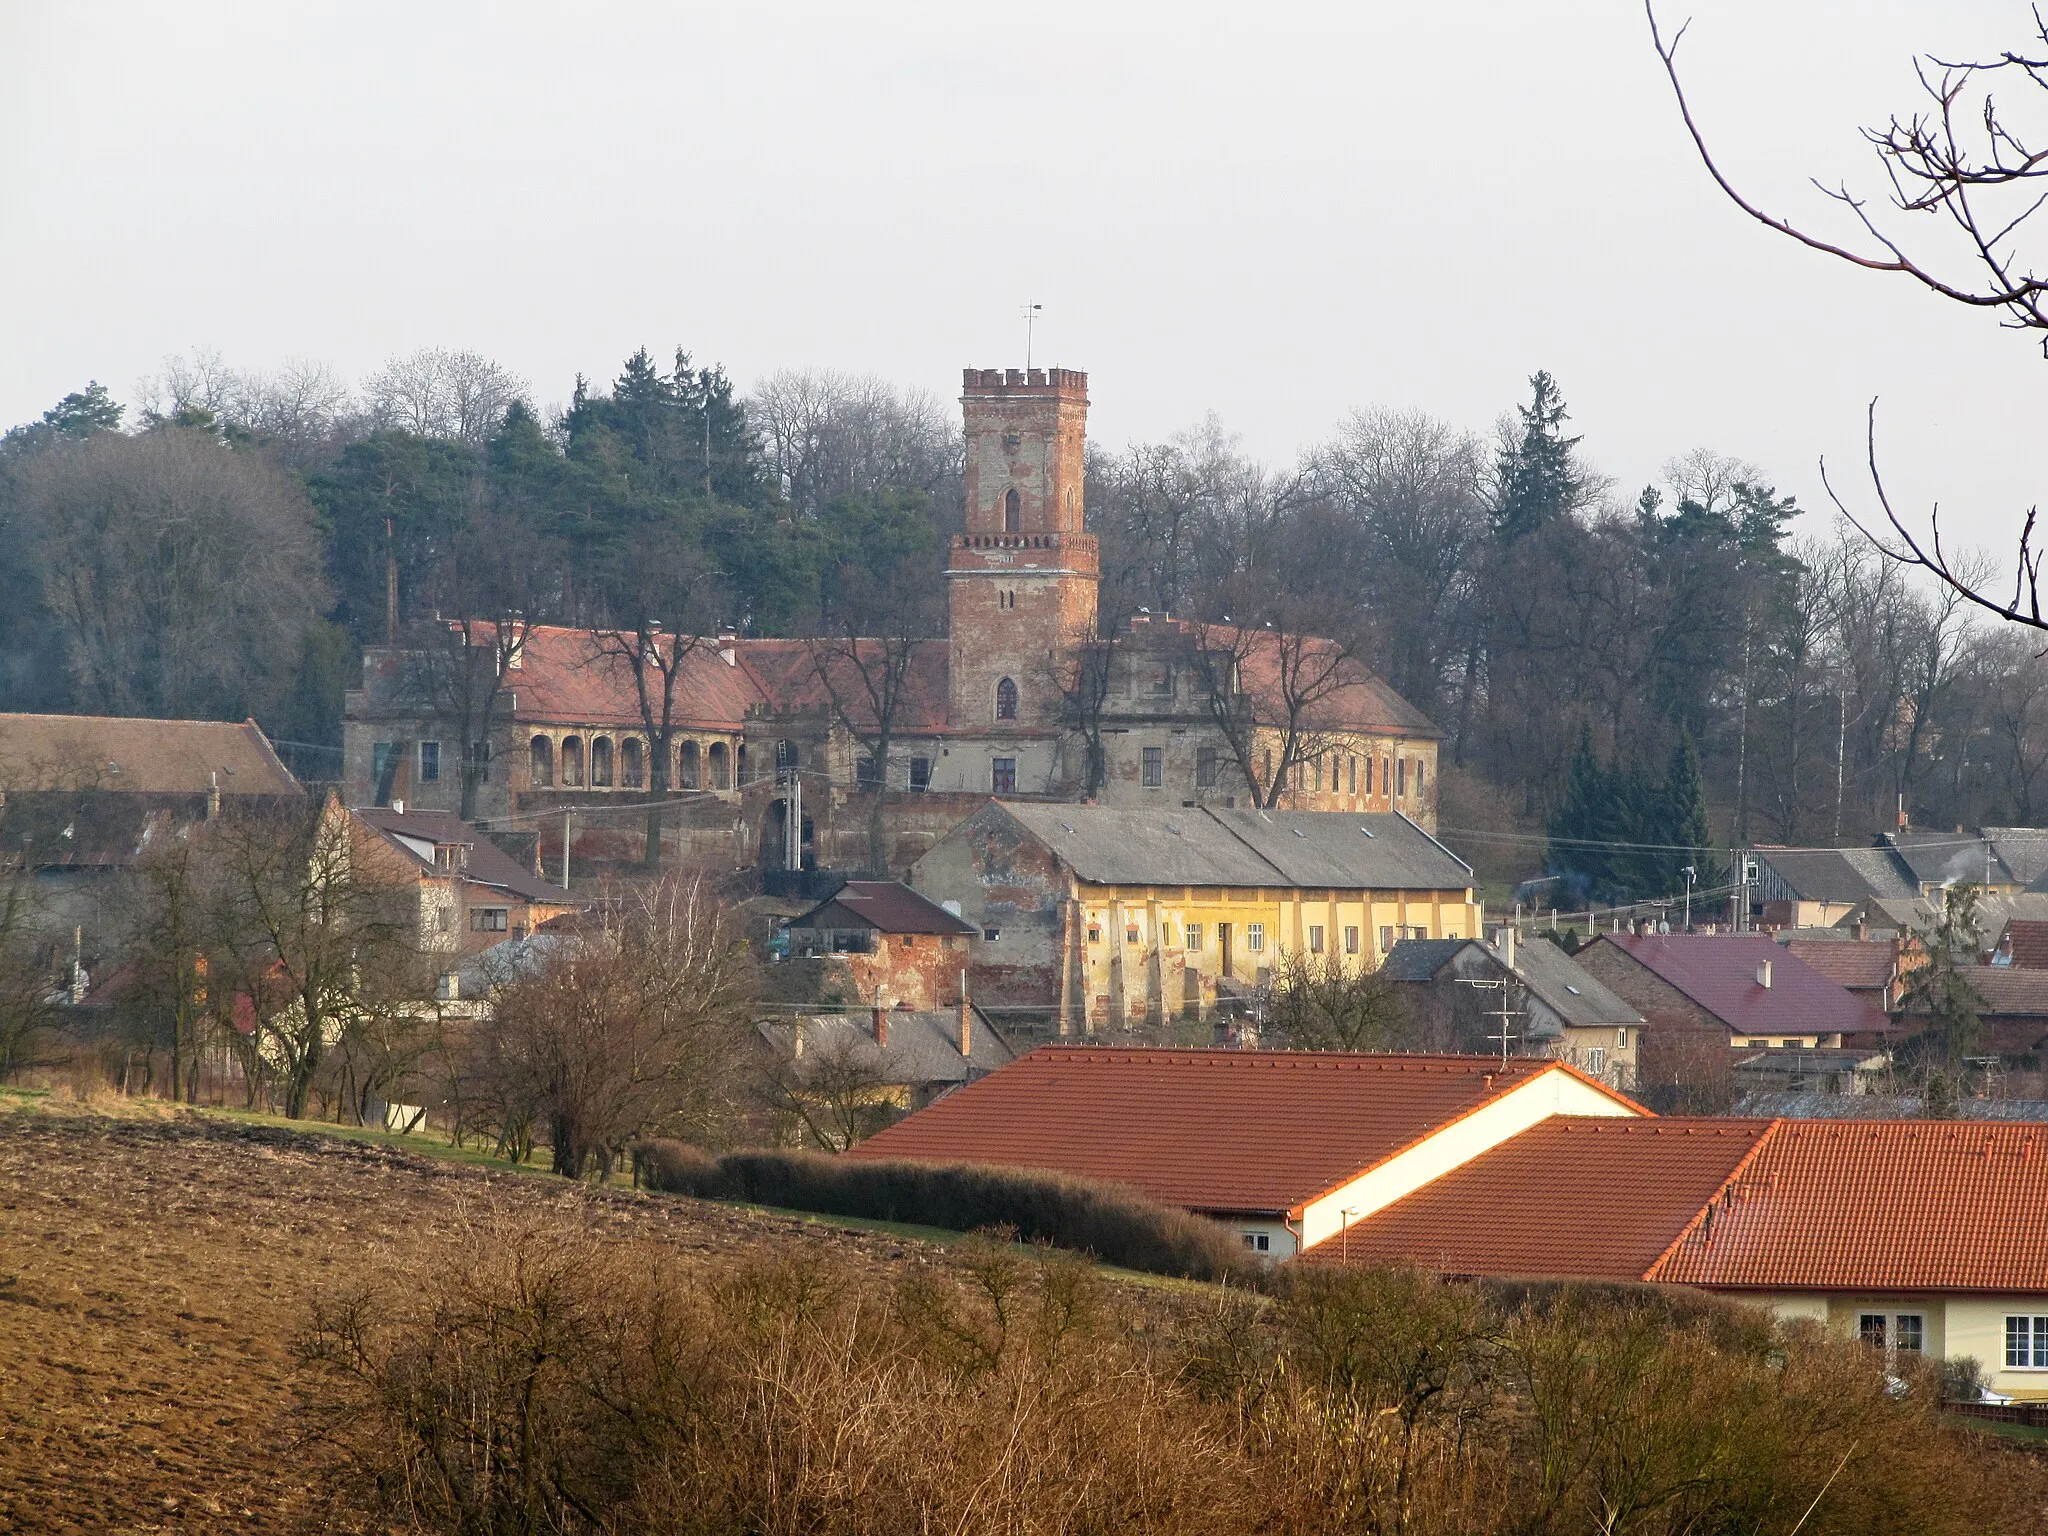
1581	1196
1719	972
1861	965
1213	1130
1894	1205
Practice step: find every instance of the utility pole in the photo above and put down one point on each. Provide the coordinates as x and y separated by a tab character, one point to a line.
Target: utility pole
1691	874
567	816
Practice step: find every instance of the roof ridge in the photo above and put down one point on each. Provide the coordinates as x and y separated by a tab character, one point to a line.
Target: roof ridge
1242	841
1741	1167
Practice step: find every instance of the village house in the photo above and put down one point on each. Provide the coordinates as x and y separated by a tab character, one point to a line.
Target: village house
1557	1008
1923	1238
1098	918
843	1076
469	894
1874	968
886	944
1286	1148
1744	989
1021	698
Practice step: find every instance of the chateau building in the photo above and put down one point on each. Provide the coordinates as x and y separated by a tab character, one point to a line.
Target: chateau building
1021	699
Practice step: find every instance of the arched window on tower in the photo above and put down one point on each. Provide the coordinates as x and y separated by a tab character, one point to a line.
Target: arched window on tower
1006	700
1013	511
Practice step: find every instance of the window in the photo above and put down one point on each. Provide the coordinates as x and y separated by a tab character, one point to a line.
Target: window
1319	775
1161	685
1350	941
1368	775
1418	933
1400	776
1154	769
1621	1039
572	762
1870	1329
1131	934
540	760
1315	938
430	762
629	762
920	775
785	755
1193	934
1596	1059
867	773
2026	1342
1094	934
601	763
910	941
1909	1333
1258	1242
490	919
1002	776
1386	940
441	919
1255	937
1421	768
1013	511
991	934
715	761
1205	768
384	760
1354	776
1006	700
686	765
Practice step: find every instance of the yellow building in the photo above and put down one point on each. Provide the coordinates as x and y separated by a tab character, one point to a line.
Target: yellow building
1103	917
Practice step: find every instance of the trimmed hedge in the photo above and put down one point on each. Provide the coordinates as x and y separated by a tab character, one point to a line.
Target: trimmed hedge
1111	1222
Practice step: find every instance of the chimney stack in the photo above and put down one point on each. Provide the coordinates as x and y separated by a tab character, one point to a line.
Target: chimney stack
1507	947
1763	973
966	1020
213	795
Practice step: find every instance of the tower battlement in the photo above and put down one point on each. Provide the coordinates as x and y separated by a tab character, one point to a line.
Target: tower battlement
1017	381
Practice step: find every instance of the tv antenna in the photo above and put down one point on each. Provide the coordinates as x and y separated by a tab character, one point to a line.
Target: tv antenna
1503	1014
1029	315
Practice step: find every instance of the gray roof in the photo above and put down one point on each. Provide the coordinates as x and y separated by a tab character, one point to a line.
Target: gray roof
1335	850
487	863
1568	988
1840	874
924	1047
2023	851
1419	959
1936	858
1879	1106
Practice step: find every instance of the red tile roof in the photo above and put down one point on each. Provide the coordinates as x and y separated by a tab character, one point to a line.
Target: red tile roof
2029	938
1894	1205
1719	972
2006	990
1580	1196
785	675
1863	965
1213	1130
565	678
135	756
1356	699
888	906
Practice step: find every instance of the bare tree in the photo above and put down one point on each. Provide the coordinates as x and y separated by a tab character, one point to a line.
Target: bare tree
835	1091
27	1009
1964	164
439	393
1271	687
2016	700
630	1029
318	936
828	435
179	572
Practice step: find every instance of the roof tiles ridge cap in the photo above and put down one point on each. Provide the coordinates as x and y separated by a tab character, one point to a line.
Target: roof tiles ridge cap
1767	1136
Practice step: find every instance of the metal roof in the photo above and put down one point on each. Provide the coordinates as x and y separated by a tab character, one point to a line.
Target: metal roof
1204	846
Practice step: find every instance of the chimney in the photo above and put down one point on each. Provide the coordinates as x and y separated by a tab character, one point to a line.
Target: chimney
1507	947
881	1020
212	795
728	647
398	807
1862	929
966	1020
1763	973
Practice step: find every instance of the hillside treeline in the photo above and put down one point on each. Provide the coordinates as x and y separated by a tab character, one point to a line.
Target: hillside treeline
229	543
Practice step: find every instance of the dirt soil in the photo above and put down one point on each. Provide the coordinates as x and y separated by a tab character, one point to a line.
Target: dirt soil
153	1273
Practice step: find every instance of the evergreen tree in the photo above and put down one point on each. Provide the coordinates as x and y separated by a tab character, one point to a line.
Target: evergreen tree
1684	813
1540	481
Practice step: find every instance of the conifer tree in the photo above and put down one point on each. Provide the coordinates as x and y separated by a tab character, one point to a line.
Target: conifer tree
1684	812
1540	481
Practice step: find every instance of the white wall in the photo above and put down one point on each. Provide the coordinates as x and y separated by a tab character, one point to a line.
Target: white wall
1554	1092
1956	1326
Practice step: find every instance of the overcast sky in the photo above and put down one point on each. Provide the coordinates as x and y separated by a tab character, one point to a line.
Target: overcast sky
1277	212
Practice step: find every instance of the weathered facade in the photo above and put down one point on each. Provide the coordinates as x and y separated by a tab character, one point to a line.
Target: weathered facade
770	750
1097	918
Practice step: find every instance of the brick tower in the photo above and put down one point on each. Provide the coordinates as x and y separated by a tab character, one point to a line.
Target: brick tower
1021	581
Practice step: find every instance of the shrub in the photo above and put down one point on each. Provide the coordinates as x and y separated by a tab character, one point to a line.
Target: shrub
1109	1221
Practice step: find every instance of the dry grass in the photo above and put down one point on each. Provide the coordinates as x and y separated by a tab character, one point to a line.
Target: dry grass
155	1267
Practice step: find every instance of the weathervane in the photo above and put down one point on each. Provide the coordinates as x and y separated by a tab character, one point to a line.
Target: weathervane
1030	317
